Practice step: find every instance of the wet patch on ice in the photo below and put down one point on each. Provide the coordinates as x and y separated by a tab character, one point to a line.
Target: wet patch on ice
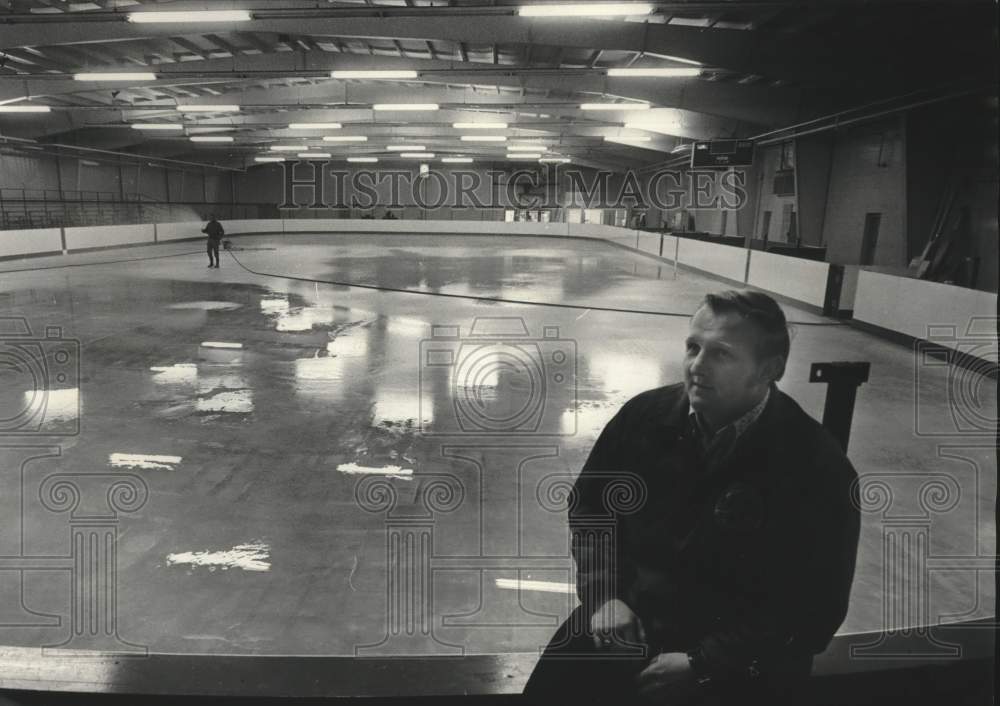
177	374
238	401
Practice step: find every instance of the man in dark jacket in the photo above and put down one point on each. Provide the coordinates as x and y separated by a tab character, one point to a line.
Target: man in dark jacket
215	232
715	528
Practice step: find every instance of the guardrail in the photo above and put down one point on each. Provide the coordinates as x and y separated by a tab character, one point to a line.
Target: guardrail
888	303
35	211
840	675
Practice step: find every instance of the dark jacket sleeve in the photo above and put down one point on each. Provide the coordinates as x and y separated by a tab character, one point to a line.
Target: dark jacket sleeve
811	566
601	569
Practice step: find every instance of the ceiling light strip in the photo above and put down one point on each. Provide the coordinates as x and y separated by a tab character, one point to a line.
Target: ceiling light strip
375	74
190	16
586	9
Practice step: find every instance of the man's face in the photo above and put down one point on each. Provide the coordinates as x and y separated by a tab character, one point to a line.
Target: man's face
722	375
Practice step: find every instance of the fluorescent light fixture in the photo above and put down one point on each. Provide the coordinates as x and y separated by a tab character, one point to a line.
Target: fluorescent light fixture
628	140
457	160
678	59
22	108
554	160
524	155
269	159
157	126
586	9
479	126
345	138
405	106
614	106
208	108
405	148
672	72
314	126
89	163
211	138
363	160
289	148
125	76
417	155
483	138
527	148
314	155
190	16
390	73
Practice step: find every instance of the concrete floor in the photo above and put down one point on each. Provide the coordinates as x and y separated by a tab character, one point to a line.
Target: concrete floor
265	531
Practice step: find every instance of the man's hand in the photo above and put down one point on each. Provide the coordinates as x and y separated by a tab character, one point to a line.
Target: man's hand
614	622
668	674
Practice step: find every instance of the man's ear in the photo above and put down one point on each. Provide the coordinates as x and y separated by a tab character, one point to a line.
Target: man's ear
771	369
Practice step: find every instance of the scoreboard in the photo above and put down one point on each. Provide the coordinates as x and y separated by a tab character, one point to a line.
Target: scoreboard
722	153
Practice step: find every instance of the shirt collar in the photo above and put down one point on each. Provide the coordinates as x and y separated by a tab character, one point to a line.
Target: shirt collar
736	428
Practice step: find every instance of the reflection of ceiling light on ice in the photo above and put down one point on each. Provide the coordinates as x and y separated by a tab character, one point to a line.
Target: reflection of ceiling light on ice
406	326
587	419
325	369
304	319
206	306
353	346
60	405
480	369
541	586
224	393
399	407
221	352
624	376
231	401
175	374
144	461
390	471
249	557
274	306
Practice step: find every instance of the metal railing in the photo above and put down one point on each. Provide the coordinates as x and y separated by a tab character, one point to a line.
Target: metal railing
24	208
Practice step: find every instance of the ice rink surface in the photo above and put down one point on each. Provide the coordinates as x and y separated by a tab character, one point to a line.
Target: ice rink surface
323	465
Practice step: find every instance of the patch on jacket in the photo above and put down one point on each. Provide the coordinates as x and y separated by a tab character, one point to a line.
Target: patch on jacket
740	508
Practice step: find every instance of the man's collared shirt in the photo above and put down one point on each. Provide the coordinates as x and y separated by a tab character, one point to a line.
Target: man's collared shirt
715	447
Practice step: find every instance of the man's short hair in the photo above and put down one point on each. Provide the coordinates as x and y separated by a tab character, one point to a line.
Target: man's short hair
764	313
